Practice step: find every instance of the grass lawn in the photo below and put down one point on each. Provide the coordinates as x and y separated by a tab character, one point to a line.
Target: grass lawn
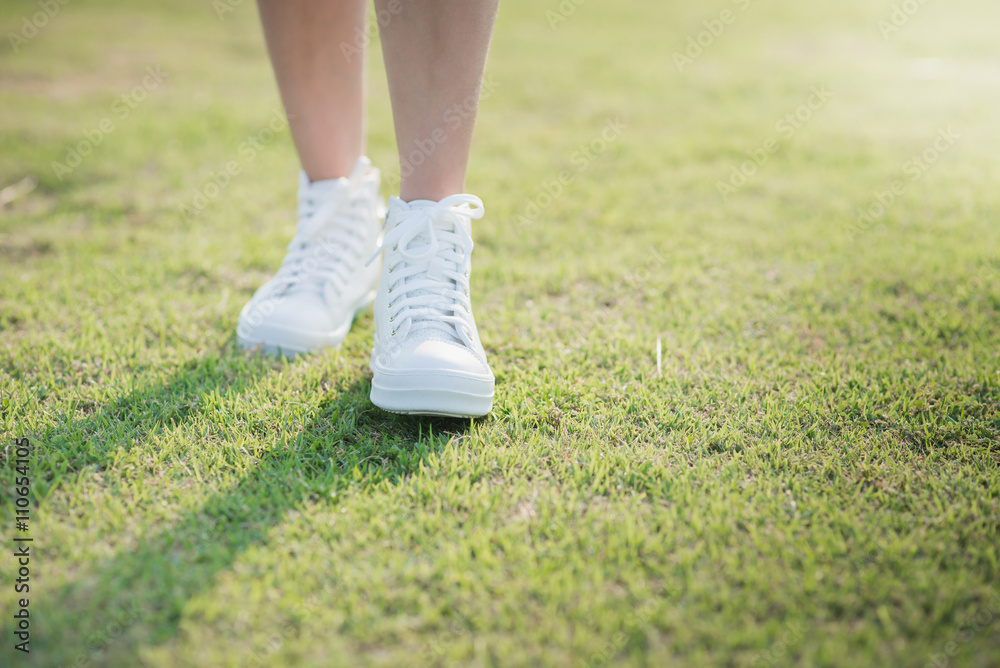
801	209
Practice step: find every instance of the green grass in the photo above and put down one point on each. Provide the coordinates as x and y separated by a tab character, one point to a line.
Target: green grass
812	479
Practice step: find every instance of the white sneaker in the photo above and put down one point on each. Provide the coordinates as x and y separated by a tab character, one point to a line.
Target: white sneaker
427	357
323	281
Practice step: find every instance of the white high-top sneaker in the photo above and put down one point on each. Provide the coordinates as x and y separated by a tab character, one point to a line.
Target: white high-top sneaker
427	357
323	281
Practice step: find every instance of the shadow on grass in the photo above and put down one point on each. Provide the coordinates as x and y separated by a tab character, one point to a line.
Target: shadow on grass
135	598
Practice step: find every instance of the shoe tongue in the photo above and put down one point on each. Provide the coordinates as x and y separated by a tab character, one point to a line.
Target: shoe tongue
315	194
361	168
432	334
398	209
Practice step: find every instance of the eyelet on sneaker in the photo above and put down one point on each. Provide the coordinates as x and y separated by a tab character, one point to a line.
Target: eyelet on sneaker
392	320
392	333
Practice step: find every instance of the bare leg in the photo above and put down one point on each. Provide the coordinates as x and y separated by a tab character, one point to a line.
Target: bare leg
435	54
322	83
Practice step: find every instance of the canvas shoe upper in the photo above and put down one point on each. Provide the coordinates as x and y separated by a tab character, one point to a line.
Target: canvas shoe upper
427	357
323	281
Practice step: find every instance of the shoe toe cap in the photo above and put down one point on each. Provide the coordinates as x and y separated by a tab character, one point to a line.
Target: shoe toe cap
437	356
299	313
295	325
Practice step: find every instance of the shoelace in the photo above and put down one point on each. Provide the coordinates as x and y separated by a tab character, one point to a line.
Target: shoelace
430	274
329	241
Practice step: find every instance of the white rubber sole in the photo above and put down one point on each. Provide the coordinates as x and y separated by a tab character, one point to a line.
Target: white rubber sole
433	394
292	342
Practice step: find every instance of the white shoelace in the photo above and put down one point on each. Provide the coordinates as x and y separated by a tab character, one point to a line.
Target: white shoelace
329	243
429	268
